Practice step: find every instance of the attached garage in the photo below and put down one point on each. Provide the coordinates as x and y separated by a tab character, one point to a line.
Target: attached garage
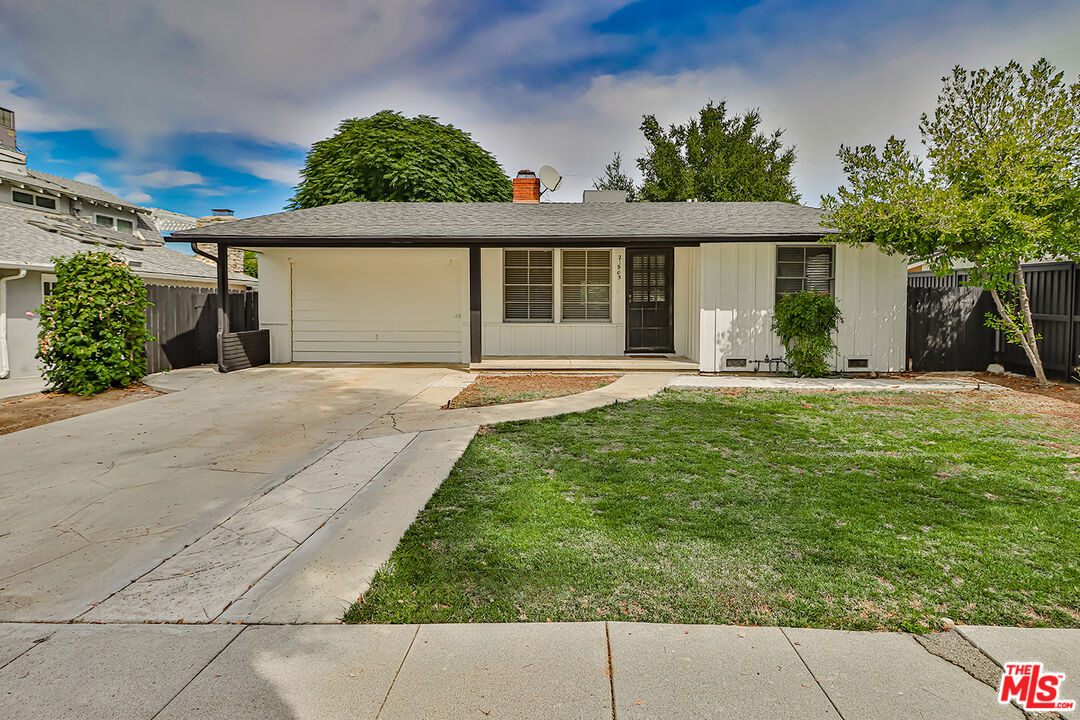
353	306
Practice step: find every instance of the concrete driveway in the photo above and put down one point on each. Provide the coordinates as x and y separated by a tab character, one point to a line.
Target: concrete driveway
89	504
264	496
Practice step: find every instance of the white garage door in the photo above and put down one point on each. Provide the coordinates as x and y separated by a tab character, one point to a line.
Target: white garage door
380	305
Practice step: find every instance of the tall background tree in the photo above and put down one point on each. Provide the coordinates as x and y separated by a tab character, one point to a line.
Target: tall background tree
391	157
614	178
1002	187
715	157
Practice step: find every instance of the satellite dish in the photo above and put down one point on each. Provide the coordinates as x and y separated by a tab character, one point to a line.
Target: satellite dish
550	177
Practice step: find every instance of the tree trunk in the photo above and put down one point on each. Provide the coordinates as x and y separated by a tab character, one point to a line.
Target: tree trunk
1025	335
1029	328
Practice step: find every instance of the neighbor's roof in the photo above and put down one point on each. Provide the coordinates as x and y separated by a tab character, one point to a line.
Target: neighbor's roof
168	221
31	239
373	220
44	181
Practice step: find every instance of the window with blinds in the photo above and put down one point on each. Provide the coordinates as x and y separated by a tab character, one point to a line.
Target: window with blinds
808	268
528	285
586	285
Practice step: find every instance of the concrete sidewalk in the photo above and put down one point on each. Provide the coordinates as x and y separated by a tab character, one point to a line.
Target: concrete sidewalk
554	670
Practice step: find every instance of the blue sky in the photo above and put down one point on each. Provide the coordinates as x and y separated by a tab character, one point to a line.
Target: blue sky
197	104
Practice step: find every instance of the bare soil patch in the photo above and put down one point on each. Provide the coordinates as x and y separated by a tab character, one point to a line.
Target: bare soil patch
1069	392
34	410
493	389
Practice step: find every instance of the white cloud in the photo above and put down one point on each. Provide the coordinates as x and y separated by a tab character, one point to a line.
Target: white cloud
287	73
167	179
821	99
138	196
88	177
281	172
36	114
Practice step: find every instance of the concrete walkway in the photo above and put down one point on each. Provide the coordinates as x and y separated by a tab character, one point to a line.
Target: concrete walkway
553	670
264	496
773	382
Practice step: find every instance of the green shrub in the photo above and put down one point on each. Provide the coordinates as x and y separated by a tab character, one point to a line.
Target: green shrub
805	323
92	328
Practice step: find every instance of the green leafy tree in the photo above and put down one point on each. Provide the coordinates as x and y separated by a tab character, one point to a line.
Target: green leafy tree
614	178
1002	187
716	157
251	263
92	328
805	323
391	157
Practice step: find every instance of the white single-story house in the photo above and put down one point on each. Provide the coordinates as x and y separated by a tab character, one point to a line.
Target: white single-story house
461	282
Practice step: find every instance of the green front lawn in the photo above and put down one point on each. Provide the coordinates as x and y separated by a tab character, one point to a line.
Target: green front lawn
844	511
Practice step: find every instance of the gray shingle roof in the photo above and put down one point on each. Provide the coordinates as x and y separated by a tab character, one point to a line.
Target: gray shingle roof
64	185
31	238
546	220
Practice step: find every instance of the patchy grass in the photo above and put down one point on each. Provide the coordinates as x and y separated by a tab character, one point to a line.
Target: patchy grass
827	510
489	389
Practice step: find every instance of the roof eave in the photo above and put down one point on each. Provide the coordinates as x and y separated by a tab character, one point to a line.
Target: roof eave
468	241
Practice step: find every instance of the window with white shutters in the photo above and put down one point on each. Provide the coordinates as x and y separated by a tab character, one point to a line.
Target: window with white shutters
528	286
800	268
586	285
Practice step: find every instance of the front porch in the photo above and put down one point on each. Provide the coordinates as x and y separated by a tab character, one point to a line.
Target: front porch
622	363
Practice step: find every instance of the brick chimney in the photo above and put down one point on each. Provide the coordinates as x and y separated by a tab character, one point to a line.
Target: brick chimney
526	187
236	255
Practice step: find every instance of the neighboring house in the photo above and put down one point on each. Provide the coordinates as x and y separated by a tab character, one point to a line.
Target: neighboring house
169	222
43	216
456	282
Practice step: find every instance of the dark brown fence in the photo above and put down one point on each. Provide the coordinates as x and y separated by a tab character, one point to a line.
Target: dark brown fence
184	321
946	322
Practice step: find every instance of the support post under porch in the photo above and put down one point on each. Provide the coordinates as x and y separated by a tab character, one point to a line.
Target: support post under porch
476	352
223	303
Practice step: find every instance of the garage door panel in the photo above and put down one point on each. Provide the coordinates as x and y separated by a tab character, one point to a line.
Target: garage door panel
378	305
366	347
378	357
451	337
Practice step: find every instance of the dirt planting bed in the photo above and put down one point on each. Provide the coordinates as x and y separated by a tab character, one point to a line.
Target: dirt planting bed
34	410
1069	392
499	389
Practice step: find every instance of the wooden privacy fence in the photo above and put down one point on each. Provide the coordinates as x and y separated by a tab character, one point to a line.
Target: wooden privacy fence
184	321
947	330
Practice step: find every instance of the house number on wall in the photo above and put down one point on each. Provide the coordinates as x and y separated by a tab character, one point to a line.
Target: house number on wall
618	266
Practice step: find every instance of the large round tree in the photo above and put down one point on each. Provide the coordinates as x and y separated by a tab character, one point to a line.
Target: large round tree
391	157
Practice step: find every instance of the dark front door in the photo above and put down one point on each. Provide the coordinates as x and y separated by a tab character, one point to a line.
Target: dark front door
649	306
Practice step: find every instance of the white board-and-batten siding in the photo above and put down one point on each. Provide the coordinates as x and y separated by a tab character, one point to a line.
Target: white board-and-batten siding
412	305
738	296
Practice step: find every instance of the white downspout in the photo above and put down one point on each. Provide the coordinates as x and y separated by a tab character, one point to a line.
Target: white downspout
5	367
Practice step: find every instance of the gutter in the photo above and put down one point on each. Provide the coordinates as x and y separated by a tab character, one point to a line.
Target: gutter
5	367
254	243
